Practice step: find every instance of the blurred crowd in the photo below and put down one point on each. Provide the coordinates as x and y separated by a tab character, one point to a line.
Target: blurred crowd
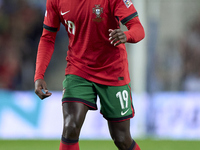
190	52
20	30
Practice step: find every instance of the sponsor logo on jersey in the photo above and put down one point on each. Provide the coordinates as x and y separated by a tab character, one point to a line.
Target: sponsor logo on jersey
63	13
97	10
128	3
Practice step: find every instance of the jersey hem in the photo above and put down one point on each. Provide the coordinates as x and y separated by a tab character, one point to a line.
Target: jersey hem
103	82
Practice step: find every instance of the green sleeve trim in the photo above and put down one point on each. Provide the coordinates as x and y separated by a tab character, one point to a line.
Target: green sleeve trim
125	20
50	28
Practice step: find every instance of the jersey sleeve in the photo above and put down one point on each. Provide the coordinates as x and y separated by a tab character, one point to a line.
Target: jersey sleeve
47	40
124	10
51	19
135	31
44	53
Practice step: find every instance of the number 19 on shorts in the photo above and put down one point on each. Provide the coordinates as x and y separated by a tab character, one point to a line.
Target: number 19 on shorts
123	98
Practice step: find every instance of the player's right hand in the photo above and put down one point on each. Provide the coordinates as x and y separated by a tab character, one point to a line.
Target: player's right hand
40	85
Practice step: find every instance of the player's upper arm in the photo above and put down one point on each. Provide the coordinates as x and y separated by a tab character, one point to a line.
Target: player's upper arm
52	18
124	10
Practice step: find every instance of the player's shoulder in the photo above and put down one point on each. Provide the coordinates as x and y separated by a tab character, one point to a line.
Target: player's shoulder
53	1
127	3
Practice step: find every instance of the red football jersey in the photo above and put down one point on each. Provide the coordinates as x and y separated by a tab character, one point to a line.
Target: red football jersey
90	54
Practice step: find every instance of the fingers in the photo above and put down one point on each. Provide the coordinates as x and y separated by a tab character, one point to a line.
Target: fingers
41	89
117	37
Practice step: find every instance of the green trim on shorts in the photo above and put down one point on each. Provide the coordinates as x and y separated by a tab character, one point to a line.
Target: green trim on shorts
116	101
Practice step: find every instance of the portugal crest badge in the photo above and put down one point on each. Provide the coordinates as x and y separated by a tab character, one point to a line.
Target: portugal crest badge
97	10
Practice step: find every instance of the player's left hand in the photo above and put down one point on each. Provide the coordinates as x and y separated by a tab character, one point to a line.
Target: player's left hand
117	37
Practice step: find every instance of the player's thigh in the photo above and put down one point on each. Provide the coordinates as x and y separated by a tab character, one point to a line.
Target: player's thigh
116	102
74	114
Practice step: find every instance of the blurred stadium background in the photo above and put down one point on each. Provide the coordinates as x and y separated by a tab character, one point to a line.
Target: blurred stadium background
164	68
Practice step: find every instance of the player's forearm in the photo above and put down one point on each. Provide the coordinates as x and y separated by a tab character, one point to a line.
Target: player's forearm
135	31
45	51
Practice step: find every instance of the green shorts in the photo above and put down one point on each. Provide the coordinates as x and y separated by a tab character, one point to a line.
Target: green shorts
116	101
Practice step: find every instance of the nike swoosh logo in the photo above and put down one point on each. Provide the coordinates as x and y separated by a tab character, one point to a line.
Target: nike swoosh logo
123	113
64	12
